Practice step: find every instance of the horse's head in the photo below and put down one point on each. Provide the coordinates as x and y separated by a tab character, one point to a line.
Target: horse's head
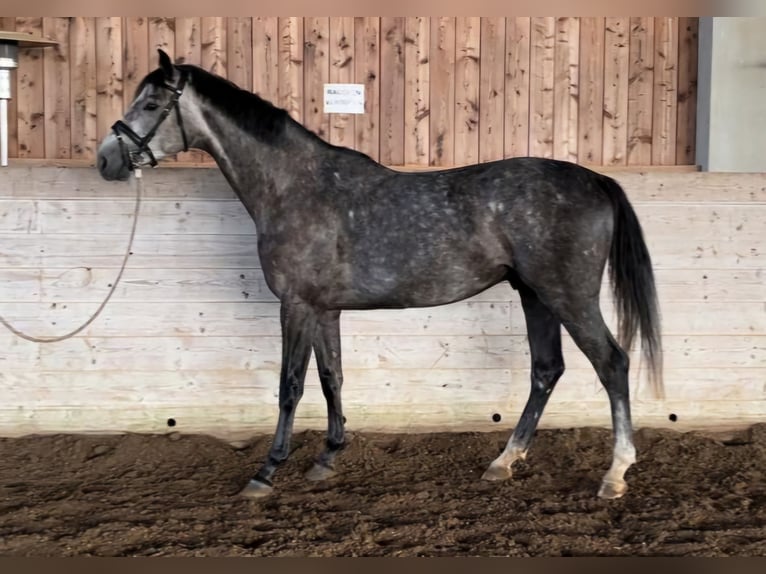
152	128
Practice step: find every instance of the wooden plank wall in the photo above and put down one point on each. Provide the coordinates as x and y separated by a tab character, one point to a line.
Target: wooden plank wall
440	91
192	332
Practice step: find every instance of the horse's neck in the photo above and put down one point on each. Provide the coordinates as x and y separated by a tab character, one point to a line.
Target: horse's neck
257	169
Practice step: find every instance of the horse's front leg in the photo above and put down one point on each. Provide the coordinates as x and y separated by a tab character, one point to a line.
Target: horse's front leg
299	323
327	352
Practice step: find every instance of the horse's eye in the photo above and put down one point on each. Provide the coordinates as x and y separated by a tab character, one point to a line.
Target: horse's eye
151	106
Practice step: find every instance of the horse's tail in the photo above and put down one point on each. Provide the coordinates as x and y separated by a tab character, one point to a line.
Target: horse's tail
632	279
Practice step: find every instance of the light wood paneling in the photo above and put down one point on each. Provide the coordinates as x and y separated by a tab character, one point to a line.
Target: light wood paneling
317	63
30	89
192	332
517	87
417	34
641	91
492	89
367	58
543	41
83	93
566	90
616	71
239	44
291	69
467	78
342	72
664	125
442	102
56	67
265	57
591	89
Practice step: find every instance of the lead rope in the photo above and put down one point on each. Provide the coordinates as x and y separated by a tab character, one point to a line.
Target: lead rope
15	331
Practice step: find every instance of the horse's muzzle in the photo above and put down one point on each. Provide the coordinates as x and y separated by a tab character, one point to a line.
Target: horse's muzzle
112	166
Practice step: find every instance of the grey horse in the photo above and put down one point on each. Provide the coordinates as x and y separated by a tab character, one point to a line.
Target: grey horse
337	230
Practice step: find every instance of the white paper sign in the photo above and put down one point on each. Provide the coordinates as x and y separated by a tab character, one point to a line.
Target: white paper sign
344	98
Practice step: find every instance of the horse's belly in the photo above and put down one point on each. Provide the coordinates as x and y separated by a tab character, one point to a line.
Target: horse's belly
382	288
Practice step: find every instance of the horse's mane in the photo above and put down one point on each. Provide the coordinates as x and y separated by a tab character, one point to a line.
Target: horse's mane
257	116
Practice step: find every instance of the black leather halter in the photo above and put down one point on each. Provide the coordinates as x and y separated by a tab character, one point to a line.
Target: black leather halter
119	128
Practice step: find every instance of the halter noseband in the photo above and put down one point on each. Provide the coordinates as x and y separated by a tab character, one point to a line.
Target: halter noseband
119	128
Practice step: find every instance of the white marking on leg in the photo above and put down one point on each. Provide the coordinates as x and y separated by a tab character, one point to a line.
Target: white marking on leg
624	454
511	453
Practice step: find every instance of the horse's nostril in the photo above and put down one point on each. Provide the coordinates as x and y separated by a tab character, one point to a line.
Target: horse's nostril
102	163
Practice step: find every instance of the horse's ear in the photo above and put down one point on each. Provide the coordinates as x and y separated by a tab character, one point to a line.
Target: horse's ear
166	64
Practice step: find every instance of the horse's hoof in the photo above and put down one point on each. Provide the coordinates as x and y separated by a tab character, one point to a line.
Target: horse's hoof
611	490
496	472
319	472
256	489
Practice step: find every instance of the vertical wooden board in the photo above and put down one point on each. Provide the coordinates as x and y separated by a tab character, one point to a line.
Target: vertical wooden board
566	64
467	76
541	80
591	111
213	41
30	93
392	90
56	66
342	72
641	91
188	46
9	23
316	65
574	87
162	36
517	36
109	70
137	60
686	132
291	54
665	91
616	72
416	86
442	97
214	52
266	58
239	47
367	71
492	89
83	113
188	50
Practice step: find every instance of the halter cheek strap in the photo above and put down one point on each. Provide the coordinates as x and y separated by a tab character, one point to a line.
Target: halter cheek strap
120	128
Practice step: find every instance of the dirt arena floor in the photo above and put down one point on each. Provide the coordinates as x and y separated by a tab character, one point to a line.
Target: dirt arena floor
396	495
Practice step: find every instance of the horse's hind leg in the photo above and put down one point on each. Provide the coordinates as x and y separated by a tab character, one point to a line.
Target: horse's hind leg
589	331
544	333
327	352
